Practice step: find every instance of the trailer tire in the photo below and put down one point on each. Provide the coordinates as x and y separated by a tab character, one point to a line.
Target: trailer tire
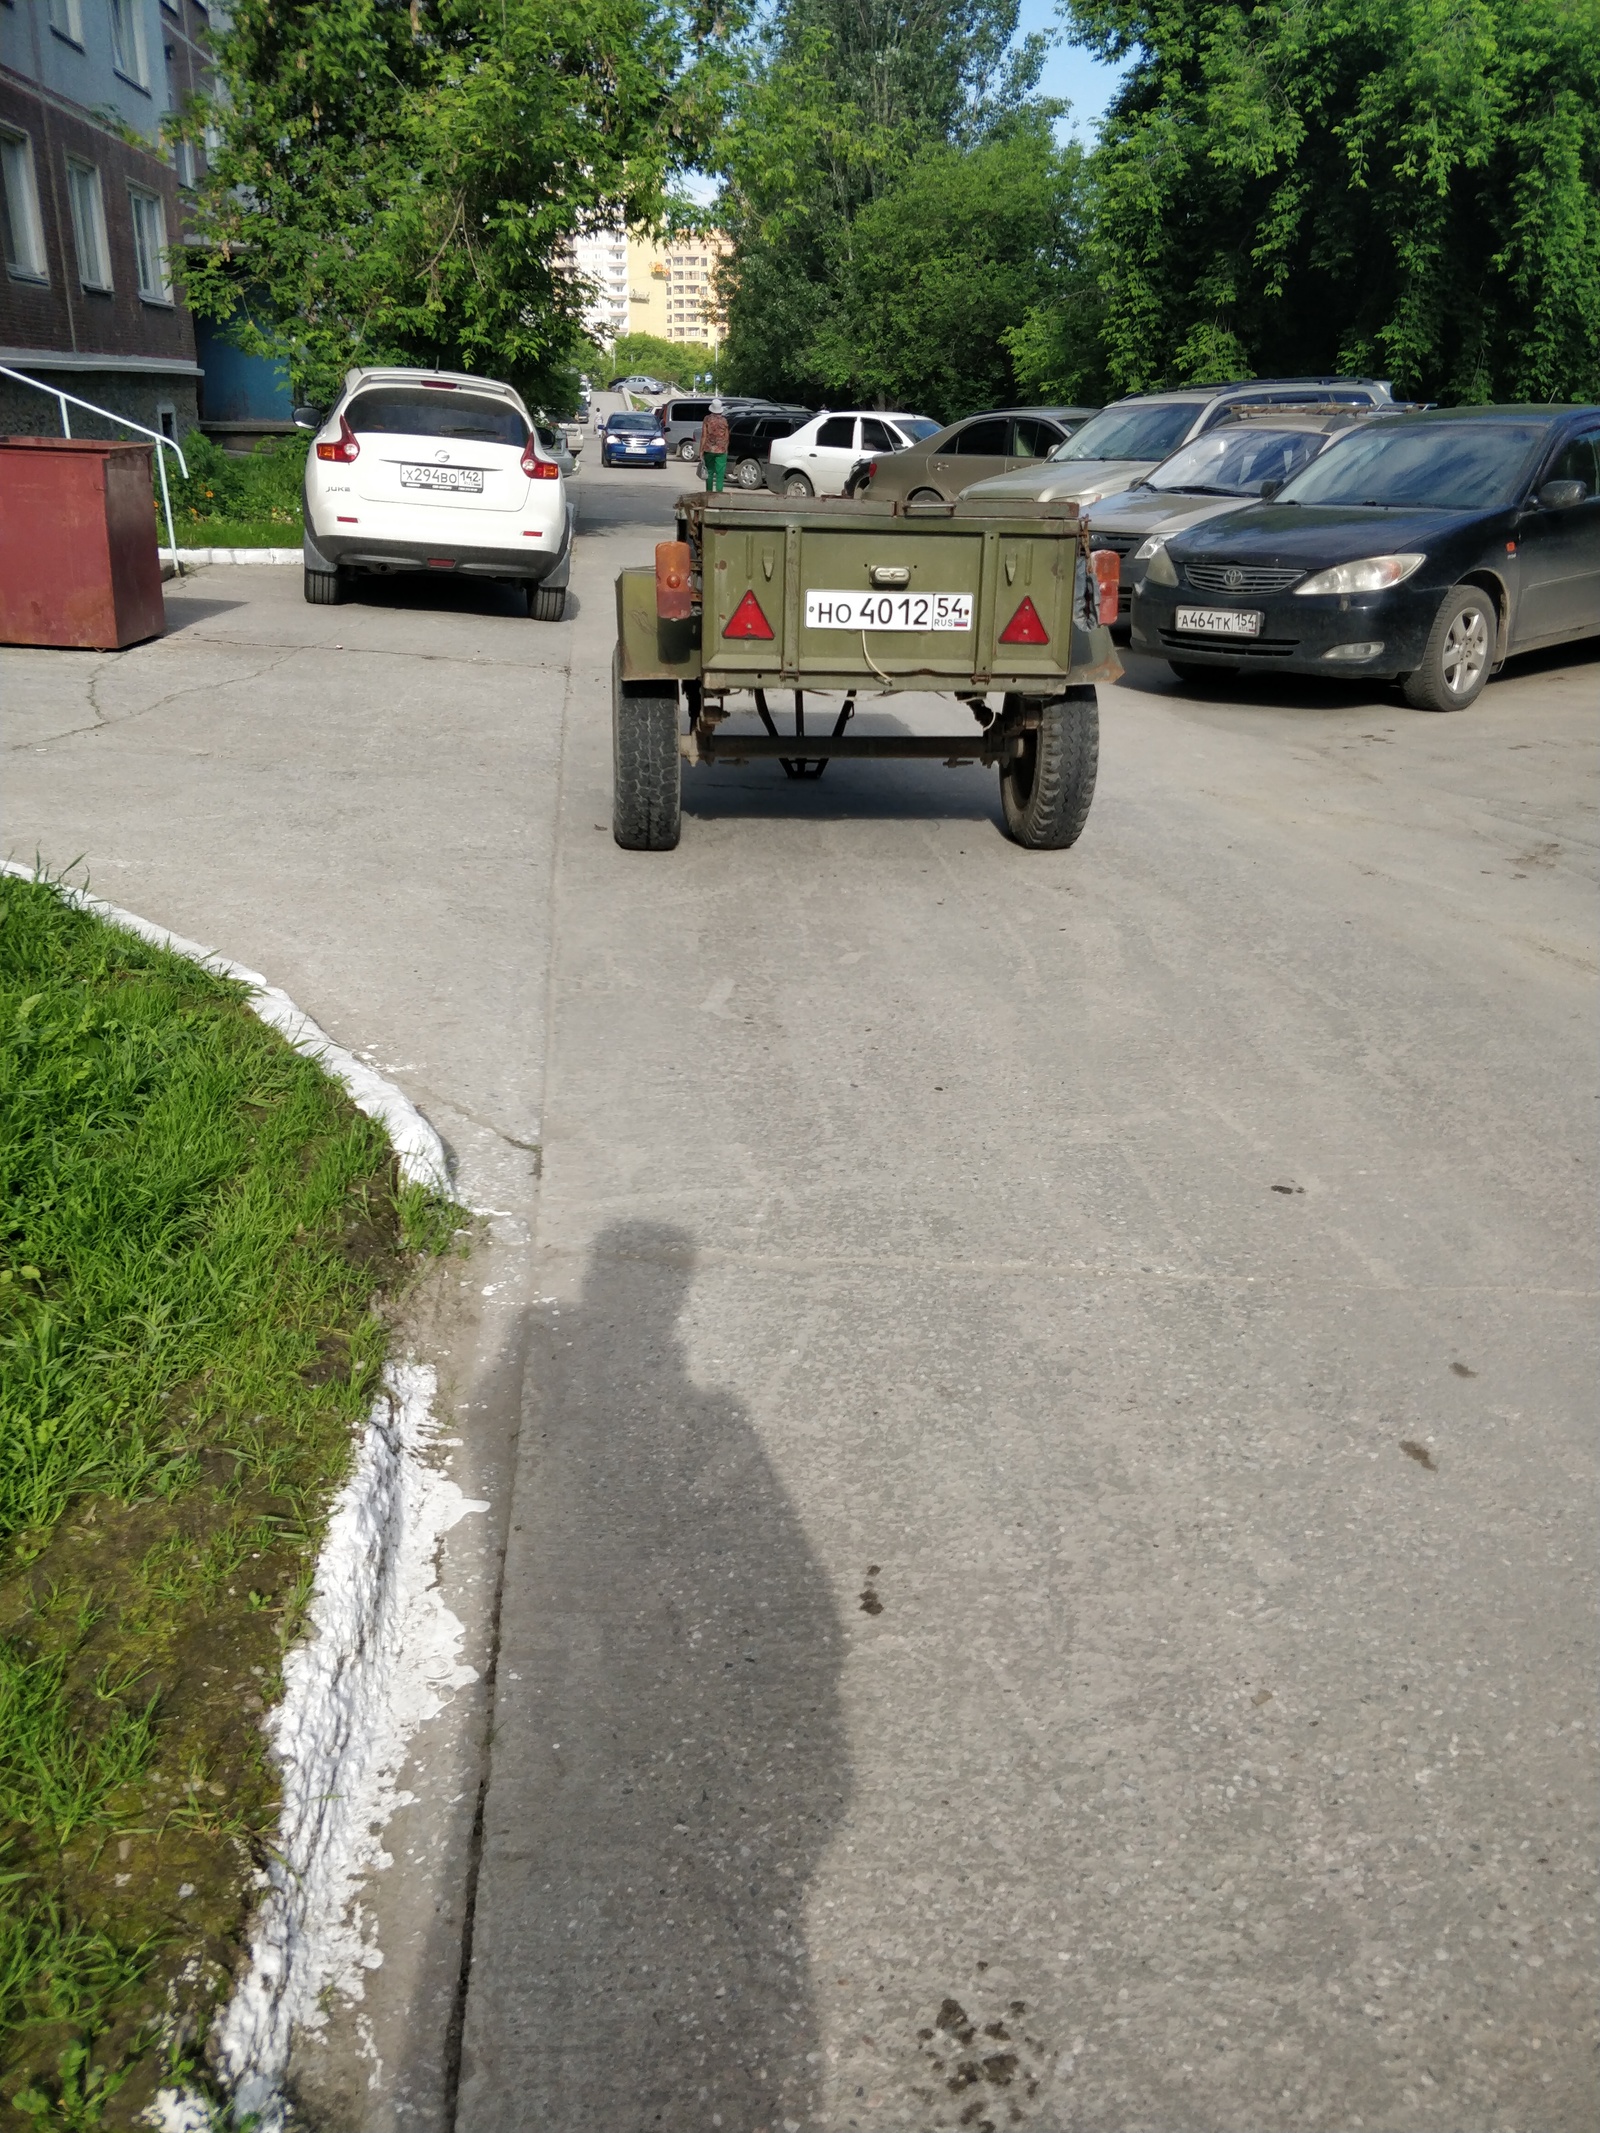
647	769
1045	792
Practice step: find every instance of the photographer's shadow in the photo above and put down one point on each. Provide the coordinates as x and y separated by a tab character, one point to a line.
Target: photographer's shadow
669	1759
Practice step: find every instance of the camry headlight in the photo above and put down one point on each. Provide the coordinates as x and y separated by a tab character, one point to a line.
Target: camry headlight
1374	573
1156	540
1161	571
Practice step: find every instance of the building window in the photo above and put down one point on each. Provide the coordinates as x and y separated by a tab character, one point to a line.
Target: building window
167	420
19	210
127	41
150	246
66	19
89	226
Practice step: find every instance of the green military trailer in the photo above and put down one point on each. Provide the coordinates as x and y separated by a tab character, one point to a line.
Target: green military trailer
824	597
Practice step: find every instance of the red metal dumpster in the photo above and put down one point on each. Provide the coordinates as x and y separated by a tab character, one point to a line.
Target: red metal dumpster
79	564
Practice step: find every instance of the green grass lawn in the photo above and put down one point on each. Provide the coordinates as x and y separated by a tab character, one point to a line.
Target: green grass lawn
201	1242
249	501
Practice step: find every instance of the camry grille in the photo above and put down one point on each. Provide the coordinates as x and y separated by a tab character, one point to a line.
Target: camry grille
1241	577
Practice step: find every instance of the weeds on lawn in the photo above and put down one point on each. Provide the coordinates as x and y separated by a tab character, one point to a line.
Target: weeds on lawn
238	501
197	1236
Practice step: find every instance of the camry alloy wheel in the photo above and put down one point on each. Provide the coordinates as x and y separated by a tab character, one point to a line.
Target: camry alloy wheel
1465	651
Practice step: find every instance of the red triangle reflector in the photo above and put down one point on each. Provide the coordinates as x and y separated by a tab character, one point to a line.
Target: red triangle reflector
747	620
1025	626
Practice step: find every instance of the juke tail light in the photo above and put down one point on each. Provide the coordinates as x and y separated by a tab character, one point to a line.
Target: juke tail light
345	448
534	467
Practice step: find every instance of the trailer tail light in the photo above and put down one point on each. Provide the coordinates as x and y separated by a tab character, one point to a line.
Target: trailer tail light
674	581
344	447
747	620
1025	626
534	467
1107	566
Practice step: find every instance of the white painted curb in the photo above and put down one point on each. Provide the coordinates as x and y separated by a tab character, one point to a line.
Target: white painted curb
383	1654
421	1152
199	558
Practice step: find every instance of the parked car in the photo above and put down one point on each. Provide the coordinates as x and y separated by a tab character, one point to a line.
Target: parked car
1421	548
557	440
632	440
438	471
751	436
941	466
1129	438
636	382
1227	468
815	460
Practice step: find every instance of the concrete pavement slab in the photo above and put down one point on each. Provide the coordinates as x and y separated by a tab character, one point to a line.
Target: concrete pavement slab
1049	1579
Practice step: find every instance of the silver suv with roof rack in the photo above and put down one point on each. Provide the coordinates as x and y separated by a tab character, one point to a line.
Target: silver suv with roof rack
1126	440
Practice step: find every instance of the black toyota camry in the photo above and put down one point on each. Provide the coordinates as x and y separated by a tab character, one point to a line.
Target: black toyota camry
1423	548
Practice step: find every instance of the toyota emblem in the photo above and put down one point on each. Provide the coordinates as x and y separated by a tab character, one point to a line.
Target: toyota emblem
1233	577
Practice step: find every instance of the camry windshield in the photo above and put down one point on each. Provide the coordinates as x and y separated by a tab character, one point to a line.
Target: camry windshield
407	411
916	427
1236	461
1132	432
1429	466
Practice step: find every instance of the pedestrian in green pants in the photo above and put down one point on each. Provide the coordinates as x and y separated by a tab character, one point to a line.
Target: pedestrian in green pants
714	447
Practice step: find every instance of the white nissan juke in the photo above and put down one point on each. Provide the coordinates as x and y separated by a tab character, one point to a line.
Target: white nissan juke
432	470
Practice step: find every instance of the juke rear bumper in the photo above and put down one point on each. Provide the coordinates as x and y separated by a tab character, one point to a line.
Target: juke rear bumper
543	565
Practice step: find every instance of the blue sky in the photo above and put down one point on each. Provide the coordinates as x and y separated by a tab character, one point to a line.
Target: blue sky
1071	73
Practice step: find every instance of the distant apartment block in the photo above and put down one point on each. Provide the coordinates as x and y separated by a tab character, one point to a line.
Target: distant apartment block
641	286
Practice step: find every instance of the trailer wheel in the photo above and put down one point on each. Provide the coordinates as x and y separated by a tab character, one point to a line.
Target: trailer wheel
1045	792
647	770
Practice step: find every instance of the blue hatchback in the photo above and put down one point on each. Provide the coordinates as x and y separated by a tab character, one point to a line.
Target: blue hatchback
633	441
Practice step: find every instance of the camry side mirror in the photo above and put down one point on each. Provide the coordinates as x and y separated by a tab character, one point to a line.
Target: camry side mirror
1269	490
307	418
1562	495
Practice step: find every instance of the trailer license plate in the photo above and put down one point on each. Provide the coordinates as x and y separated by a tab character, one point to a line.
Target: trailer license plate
888	611
1219	621
464	481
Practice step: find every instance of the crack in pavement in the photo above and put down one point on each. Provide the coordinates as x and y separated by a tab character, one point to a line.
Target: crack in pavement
104	724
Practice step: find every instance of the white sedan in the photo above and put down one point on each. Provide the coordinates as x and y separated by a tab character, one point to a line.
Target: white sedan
816	459
433	470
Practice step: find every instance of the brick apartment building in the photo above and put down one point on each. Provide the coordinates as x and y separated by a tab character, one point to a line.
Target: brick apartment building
91	202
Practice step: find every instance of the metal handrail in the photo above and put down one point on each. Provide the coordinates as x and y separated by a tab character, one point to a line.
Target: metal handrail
167	444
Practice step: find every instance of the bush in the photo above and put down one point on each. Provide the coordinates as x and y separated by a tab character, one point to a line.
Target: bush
262	490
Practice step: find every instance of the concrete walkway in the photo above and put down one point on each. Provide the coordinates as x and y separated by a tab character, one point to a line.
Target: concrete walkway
1049	1568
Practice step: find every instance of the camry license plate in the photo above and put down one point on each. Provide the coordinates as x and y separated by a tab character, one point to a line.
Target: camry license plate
888	611
465	481
1219	621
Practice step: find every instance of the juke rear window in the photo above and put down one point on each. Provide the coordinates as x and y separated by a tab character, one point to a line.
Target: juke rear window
410	411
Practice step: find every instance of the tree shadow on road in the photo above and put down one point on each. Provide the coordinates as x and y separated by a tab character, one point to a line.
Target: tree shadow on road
669	1759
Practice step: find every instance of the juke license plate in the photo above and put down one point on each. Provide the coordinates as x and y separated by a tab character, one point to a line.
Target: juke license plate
888	611
1219	621
463	481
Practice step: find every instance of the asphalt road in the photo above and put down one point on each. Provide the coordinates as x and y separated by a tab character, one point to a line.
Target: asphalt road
1049	1570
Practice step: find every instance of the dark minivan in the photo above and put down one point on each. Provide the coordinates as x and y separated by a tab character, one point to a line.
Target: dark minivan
1422	548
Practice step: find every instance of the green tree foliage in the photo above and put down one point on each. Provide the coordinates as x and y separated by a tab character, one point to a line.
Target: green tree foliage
964	244
398	180
674	362
861	133
1408	187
